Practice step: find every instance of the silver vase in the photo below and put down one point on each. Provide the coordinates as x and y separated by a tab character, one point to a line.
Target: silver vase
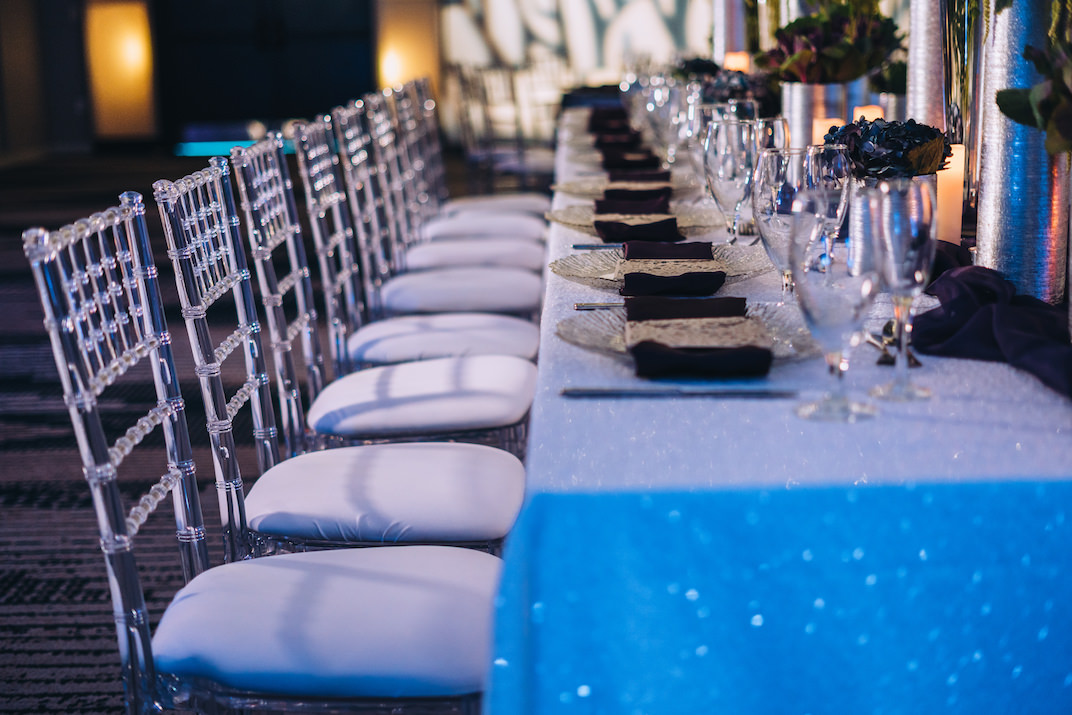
858	219
802	103
893	106
1023	192
926	93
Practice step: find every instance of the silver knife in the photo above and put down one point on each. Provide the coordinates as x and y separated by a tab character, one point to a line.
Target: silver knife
757	393
598	306
594	246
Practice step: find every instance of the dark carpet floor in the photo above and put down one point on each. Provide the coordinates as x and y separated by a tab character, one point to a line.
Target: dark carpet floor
58	649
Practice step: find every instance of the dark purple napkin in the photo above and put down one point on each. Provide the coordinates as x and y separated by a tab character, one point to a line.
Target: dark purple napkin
656	205
661	308
657	360
948	256
621	140
982	318
630	159
654	250
607	119
637	194
638	175
686	284
618	232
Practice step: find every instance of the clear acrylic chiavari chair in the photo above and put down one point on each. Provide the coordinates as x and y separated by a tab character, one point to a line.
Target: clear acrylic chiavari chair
370	495
344	255
375	186
382	631
480	398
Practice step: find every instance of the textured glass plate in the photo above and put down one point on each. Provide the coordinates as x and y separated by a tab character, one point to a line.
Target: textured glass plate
691	220
604	268
604	330
594	186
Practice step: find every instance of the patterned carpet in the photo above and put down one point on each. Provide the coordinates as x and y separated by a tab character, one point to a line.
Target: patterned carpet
59	651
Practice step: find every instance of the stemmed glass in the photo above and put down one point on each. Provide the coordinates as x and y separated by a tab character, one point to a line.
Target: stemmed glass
829	167
905	236
834	293
729	151
778	179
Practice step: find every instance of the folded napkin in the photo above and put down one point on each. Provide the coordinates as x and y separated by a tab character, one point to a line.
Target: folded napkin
637	194
622	140
638	308
655	250
982	318
686	284
638	175
618	232
630	159
948	256
656	360
656	205
607	119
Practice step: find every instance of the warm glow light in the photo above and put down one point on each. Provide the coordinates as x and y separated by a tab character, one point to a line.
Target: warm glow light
819	127
119	51
951	197
867	111
391	71
738	61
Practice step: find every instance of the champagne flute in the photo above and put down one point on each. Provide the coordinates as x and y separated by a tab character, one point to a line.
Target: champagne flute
778	179
829	167
729	152
905	237
834	295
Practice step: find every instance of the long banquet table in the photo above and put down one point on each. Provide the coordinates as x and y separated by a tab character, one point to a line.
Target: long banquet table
695	554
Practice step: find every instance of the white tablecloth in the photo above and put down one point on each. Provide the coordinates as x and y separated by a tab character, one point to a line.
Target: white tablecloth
704	555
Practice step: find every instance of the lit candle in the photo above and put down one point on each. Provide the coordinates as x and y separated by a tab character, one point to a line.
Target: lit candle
868	111
738	61
951	196
819	127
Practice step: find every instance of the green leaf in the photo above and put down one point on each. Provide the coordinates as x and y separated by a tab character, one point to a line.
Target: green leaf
1055	142
1000	5
1016	105
929	157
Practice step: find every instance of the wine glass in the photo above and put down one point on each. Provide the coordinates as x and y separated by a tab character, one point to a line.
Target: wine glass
905	237
834	295
771	133
779	177
729	151
829	167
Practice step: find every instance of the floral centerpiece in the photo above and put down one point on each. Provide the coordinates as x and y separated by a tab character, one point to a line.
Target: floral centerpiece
891	78
883	149
839	43
731	84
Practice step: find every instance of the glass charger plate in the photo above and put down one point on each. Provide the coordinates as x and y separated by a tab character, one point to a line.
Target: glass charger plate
594	186
603	331
605	267
691	220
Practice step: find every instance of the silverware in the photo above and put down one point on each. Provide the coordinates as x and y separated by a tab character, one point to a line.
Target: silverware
597	306
595	246
757	393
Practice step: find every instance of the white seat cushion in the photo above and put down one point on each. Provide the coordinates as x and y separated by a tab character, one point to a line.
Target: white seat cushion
458	290
426	397
520	202
427	491
485	224
511	252
421	337
387	622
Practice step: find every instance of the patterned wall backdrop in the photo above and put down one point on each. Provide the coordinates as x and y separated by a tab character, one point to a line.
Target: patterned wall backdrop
590	34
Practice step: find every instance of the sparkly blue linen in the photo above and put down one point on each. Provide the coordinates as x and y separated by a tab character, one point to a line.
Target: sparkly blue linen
952	598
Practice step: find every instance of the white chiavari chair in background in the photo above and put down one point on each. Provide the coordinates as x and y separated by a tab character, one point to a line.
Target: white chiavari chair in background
478	398
368	495
391	630
349	289
378	204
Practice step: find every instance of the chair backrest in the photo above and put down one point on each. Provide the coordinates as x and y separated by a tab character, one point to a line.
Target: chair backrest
420	90
346	287
395	188
409	128
372	208
104	315
275	239
205	246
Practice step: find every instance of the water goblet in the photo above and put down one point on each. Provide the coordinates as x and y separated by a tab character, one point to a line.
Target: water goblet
729	153
778	178
834	295
771	133
905	239
829	167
